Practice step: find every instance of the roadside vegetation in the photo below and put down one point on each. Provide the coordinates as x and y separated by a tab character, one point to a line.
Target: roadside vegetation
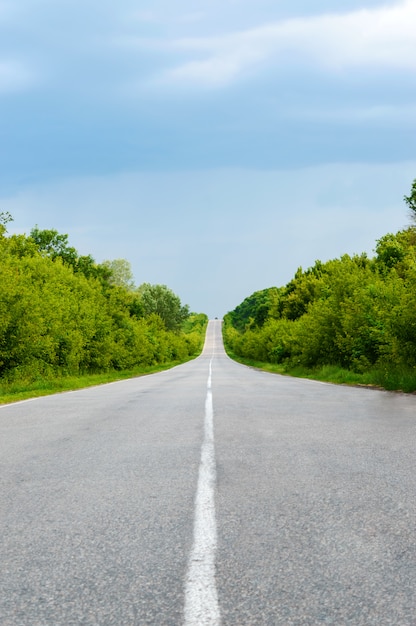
68	322
348	320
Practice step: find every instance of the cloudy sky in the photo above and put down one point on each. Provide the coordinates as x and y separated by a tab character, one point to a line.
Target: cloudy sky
217	146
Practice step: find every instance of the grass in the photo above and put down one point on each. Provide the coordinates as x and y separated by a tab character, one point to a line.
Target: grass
24	390
397	379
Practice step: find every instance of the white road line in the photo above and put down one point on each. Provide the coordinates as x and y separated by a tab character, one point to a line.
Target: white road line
201	598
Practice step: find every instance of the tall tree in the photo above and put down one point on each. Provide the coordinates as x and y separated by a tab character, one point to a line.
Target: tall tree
161	300
411	201
5	218
120	273
53	244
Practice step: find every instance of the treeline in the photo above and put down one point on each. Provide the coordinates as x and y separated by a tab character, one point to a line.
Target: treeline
355	313
62	313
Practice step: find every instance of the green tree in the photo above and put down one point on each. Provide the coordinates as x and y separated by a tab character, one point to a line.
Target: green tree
120	273
61	313
411	201
161	300
5	217
53	244
254	310
390	251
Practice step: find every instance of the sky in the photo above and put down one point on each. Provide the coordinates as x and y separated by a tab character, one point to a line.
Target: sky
217	146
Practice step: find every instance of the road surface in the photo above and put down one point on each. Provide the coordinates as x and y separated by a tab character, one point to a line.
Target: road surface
209	494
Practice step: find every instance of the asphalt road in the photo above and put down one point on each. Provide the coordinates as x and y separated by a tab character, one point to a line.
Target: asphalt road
209	494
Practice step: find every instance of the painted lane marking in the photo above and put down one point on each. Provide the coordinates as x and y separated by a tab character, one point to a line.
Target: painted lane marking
201	598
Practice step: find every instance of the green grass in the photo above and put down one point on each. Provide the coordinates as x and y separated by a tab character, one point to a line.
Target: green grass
24	390
394	379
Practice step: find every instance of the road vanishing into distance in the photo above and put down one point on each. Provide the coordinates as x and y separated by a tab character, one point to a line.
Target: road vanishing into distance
209	494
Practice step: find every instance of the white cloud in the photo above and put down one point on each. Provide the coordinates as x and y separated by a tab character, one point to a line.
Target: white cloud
382	37
215	71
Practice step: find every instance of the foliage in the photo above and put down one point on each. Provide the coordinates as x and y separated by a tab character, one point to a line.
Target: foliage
353	313
5	218
160	300
411	201
253	311
63	314
54	245
119	273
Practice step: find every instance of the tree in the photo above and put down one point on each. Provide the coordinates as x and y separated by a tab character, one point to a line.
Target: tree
61	313
5	218
161	300
411	201
53	245
255	309
389	250
120	273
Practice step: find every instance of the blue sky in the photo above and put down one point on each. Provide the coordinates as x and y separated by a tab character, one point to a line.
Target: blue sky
216	146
